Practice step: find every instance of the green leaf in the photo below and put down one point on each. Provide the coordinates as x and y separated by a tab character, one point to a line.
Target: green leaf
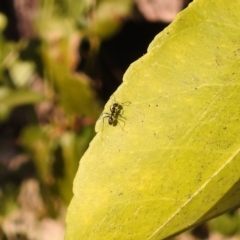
173	160
12	98
74	91
37	141
107	17
21	73
3	22
227	224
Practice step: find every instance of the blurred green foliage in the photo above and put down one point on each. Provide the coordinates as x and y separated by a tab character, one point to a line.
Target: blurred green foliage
227	224
41	72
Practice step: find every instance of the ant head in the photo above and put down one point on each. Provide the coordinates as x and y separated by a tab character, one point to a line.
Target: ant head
115	105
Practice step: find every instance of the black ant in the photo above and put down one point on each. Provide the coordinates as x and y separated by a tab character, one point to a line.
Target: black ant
116	111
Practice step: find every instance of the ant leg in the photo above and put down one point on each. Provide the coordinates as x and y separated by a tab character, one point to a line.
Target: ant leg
123	103
126	103
121	114
108	116
120	124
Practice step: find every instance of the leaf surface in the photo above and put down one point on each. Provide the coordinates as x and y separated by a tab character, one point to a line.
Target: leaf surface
172	161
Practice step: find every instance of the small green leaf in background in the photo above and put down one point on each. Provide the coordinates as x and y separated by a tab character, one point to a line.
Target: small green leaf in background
174	162
108	17
227	224
37	141
21	73
54	169
3	22
74	91
12	98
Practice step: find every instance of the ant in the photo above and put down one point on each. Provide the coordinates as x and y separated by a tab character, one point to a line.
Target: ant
116	111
